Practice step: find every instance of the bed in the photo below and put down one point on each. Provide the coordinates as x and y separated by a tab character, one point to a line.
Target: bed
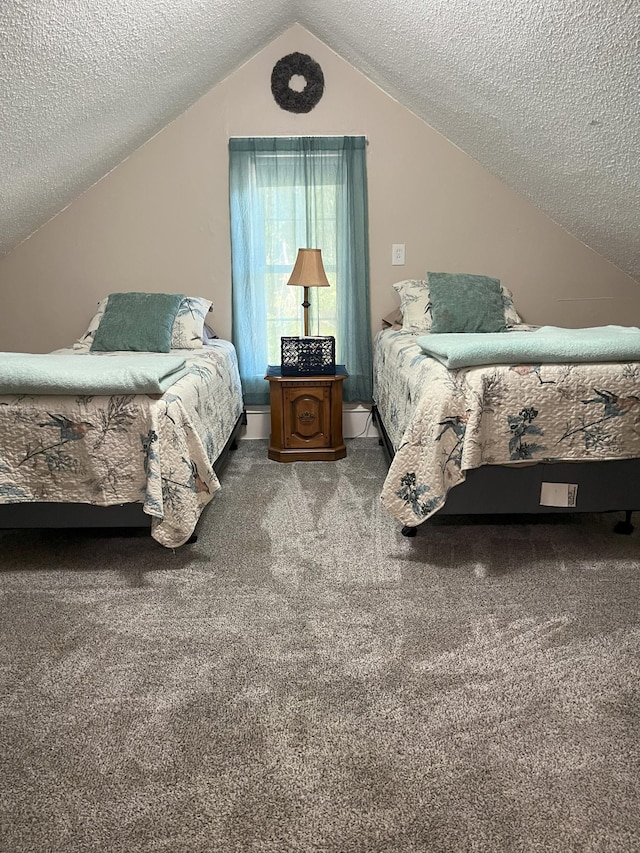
516	436
128	434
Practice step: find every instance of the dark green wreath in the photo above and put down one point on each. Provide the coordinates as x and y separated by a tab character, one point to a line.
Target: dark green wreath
288	98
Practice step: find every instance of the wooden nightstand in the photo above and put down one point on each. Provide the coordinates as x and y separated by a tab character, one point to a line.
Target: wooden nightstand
306	417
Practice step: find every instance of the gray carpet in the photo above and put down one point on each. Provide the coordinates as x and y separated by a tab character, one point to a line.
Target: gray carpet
305	679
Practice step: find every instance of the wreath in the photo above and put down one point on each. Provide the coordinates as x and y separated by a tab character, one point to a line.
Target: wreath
286	97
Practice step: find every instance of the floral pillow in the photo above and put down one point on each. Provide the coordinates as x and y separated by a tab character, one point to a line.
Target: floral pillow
84	342
415	304
188	327
187	331
511	316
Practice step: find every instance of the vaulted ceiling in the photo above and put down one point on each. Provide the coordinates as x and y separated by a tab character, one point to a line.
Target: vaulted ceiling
544	95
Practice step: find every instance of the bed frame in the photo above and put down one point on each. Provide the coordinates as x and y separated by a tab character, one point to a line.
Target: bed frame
82	515
610	486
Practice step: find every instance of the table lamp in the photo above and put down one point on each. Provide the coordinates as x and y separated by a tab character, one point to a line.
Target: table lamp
308	272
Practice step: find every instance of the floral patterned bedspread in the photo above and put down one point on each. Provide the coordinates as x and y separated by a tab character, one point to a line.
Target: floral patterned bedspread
444	422
157	450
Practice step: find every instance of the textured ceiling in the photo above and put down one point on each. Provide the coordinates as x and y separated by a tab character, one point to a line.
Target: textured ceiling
545	95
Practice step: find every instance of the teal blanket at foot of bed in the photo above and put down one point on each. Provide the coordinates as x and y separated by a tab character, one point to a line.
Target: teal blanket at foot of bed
546	345
87	373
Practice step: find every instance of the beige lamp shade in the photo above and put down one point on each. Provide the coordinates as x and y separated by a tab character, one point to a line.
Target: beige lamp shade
308	272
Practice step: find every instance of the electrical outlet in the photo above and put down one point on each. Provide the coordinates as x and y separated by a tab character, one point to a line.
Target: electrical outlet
397	254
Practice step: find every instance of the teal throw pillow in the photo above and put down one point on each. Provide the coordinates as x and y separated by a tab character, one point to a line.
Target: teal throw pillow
461	302
142	322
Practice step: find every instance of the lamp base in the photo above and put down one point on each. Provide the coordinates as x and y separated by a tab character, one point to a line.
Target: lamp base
306	305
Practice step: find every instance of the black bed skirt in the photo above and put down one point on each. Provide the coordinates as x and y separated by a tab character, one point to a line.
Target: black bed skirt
608	486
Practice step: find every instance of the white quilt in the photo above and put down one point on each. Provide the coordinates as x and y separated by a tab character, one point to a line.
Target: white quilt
444	422
155	449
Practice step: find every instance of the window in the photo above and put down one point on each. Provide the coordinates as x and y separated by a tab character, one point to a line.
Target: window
288	193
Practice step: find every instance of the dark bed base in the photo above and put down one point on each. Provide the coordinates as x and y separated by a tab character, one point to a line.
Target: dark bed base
612	486
128	515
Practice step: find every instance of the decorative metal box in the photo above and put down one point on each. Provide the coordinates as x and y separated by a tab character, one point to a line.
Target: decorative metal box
310	356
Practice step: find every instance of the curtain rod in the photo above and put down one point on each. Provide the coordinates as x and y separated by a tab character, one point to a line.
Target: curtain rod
297	136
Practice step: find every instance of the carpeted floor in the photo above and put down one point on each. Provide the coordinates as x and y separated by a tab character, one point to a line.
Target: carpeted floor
304	679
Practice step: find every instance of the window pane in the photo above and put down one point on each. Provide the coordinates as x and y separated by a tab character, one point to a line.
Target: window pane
284	208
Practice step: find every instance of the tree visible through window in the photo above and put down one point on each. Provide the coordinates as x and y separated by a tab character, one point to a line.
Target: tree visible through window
285	194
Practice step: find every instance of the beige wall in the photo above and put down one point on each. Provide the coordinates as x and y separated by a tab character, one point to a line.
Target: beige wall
160	220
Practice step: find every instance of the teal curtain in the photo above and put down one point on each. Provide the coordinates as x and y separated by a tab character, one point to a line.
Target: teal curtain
288	193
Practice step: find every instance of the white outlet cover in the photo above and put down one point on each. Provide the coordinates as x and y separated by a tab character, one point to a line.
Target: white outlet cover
397	254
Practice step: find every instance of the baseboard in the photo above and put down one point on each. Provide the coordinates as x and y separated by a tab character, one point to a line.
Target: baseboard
356	422
258	423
